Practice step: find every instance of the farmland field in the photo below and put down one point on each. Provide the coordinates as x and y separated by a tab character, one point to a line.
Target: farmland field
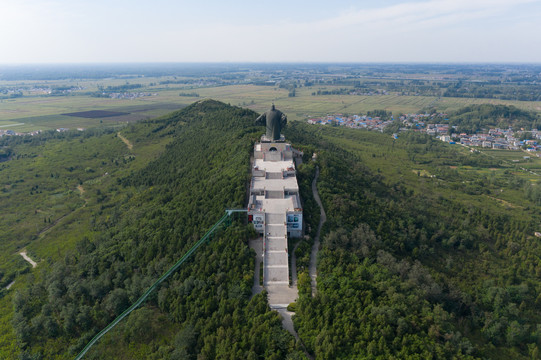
96	114
304	105
36	110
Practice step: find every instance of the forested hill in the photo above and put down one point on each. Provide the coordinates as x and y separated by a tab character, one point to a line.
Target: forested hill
421	256
429	251
142	224
474	118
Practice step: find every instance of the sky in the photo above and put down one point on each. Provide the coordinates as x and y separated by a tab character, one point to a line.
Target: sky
118	31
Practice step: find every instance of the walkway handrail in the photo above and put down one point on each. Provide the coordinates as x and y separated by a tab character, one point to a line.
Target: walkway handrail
145	295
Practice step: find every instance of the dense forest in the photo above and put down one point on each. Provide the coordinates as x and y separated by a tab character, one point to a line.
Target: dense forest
418	260
206	309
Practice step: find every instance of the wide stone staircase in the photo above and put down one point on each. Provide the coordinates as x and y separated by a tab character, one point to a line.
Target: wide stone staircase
275	263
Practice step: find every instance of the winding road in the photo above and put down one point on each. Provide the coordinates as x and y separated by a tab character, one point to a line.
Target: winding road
315	248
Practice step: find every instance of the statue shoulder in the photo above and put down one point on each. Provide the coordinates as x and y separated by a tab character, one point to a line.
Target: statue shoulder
261	119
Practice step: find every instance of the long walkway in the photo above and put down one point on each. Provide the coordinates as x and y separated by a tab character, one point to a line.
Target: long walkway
275	209
276	269
315	248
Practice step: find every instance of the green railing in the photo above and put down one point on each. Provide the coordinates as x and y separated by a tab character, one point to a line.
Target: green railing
145	295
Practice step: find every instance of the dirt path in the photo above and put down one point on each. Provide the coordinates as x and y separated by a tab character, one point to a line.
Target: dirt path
82	192
27	258
505	203
125	141
315	248
287	321
10	285
44	230
54	223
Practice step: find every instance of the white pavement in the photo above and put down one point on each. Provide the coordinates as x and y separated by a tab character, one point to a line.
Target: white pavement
276	210
275	265
276	269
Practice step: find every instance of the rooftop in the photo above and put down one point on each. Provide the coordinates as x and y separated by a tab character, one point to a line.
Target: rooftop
273	166
288	183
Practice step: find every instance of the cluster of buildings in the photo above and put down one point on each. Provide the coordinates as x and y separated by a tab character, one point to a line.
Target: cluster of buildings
32	133
353	121
41	90
15	133
423	121
495	138
500	139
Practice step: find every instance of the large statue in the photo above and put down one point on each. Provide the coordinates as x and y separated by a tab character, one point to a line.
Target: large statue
274	120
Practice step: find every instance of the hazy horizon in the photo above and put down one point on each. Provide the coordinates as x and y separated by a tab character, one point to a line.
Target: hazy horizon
344	63
344	31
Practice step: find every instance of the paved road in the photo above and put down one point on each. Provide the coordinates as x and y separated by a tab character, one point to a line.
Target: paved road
287	321
257	245
315	248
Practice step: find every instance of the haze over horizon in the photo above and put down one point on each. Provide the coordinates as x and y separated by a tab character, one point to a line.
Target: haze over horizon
77	31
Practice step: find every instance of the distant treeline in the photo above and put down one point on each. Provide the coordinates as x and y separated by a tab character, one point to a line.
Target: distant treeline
503	91
515	89
341	91
105	91
7	94
121	88
183	81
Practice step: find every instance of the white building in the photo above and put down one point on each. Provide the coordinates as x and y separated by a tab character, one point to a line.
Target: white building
274	207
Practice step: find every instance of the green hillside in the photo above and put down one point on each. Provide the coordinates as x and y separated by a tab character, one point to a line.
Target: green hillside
475	118
422	256
135	225
428	251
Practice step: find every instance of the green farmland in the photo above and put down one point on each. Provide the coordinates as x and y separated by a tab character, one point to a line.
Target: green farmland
41	112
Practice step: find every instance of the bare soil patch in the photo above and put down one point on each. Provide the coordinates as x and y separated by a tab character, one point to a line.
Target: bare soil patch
27	258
